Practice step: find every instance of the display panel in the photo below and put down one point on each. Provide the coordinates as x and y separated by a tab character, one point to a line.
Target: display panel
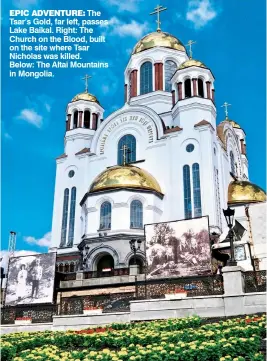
31	279
178	249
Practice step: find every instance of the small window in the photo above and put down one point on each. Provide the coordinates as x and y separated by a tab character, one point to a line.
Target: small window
105	216
71	173
146	78
200	88
190	148
214	150
86	122
187	88
75	119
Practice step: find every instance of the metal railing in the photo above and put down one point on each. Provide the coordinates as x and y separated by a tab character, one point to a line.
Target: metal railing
254	281
38	313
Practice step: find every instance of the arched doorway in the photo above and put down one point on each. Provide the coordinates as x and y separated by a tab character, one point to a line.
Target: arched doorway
139	262
105	266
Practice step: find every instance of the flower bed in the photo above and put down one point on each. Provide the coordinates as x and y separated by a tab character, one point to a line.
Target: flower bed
166	340
23	320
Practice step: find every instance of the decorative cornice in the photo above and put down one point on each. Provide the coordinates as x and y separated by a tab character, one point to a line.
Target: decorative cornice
203	123
173	129
107	238
83	151
62	156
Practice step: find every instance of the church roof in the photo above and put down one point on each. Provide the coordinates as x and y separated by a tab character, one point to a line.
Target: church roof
201	123
171	130
245	192
85	96
158	38
192	62
127	176
83	151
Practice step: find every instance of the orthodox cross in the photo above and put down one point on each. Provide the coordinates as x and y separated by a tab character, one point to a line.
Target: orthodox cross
126	151
158	9
189	44
86	78
226	105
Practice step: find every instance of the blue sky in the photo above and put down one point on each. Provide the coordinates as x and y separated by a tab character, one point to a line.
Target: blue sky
230	38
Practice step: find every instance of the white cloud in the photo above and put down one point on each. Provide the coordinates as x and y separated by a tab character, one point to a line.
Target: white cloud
23	4
45	241
200	12
30	116
4	133
4	256
128	5
122	29
7	136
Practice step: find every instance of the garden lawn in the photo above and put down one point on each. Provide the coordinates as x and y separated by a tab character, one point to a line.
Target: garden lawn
166	340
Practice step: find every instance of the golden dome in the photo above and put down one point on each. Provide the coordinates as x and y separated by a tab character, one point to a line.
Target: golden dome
124	177
191	62
234	124
245	192
85	96
158	38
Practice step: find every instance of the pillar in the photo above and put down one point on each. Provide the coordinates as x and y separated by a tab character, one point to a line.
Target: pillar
94	122
156	72
80	119
213	95
180	91
194	87
134	270
233	282
173	98
68	122
134	83
208	84
243	148
125	93
160	76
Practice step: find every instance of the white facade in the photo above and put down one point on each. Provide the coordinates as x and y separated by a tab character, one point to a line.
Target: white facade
163	126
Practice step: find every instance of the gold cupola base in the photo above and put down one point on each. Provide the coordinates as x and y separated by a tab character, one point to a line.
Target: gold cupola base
128	176
85	96
242	192
192	62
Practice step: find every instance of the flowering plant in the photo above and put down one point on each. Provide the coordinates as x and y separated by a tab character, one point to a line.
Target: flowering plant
177	291
89	308
23	318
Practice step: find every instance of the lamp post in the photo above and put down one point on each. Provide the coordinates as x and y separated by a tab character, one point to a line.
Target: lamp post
229	217
134	248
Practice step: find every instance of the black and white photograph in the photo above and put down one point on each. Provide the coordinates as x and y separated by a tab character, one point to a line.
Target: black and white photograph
31	279
179	248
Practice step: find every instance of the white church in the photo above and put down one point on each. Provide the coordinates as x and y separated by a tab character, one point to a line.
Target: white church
163	156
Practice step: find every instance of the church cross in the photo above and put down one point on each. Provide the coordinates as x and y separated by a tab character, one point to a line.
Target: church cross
189	44
226	105
126	151
86	78
158	9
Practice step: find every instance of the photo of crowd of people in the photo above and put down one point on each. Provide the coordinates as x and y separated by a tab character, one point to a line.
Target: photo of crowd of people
180	248
31	279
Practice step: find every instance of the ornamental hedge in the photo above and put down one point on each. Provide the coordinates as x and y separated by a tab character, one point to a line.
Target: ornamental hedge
166	340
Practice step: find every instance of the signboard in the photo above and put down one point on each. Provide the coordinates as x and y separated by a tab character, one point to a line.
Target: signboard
178	249
31	279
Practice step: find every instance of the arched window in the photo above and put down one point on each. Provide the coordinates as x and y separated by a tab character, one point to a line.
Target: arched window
187	88
67	268
187	192
61	267
64	218
72	267
232	161
136	214
196	191
170	68
86	122
75	119
200	88
146	78
72	216
105	265
130	142
105	216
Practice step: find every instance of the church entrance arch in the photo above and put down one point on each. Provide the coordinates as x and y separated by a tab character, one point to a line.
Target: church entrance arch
139	262
104	265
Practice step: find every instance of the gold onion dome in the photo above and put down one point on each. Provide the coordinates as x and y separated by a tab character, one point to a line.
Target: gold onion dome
85	96
158	38
192	62
127	176
234	124
245	192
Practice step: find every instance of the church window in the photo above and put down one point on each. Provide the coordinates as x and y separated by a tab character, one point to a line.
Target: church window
196	190
72	216
64	218
200	88
170	68
146	78
187	192
187	88
232	160
136	214
75	119
127	147
71	173
86	122
190	148
105	216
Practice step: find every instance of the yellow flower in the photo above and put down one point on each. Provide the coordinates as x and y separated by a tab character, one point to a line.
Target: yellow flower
222	358
201	347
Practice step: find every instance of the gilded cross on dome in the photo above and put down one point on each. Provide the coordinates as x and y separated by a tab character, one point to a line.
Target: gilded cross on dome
226	105
189	44
86	78
158	9
126	151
